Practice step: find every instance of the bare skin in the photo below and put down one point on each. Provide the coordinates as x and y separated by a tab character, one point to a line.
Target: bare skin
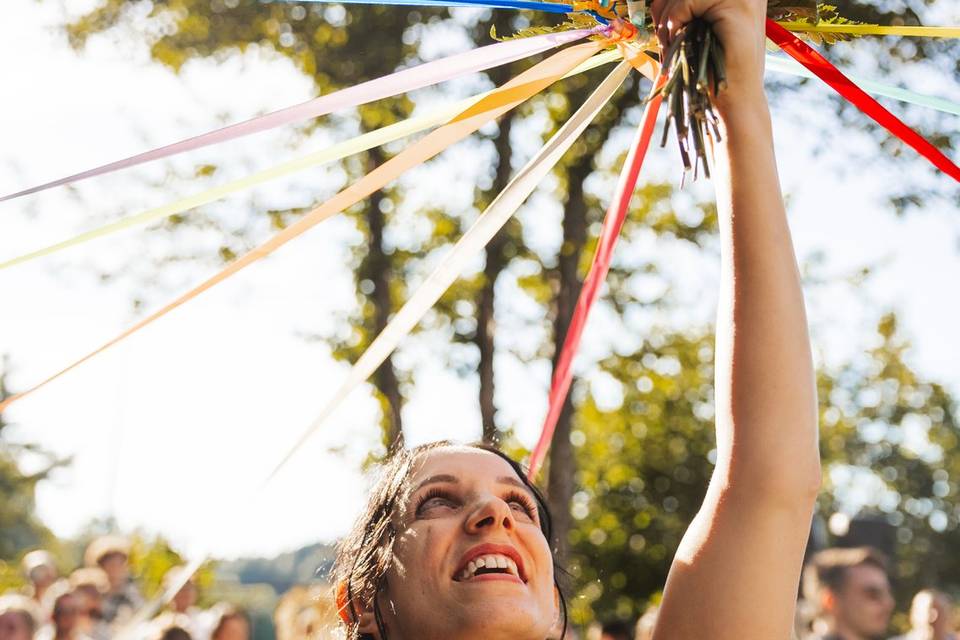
467	502
14	626
736	573
861	608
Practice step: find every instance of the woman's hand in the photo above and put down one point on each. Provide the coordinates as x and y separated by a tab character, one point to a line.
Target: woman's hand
740	27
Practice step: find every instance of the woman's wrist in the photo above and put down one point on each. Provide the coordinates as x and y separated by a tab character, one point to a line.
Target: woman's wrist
744	104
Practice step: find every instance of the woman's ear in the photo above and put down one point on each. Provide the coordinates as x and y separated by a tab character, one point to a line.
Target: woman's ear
356	616
367	624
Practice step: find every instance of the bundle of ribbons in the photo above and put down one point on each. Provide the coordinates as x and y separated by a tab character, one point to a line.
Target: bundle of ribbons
614	33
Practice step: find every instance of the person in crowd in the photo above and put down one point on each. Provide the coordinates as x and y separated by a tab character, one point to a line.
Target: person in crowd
931	617
182	610
65	616
111	553
19	616
173	632
455	541
230	623
306	612
646	623
615	630
90	584
850	593
185	599
41	571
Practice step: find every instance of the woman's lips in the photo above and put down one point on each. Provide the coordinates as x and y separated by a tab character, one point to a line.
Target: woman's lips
490	560
493	577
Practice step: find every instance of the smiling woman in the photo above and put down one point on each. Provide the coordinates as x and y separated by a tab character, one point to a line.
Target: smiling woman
462	536
454	542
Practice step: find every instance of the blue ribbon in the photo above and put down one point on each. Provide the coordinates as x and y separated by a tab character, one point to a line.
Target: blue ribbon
549	7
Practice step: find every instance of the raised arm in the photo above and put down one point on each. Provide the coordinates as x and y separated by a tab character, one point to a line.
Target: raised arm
735	575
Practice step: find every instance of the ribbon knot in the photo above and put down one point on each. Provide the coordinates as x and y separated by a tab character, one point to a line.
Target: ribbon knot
621	31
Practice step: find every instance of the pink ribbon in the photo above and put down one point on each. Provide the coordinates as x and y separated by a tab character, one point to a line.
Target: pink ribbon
612	224
417	77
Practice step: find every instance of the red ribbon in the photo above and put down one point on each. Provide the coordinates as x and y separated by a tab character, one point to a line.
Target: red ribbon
616	213
812	60
612	223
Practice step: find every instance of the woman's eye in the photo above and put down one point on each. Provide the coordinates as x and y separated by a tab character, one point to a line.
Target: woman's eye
521	507
433	502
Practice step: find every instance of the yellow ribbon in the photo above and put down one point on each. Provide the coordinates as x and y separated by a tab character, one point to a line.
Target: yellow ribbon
495	104
874	30
338	151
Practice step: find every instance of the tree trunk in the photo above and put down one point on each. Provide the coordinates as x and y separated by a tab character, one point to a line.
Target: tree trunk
486	323
561	480
562	463
495	262
376	268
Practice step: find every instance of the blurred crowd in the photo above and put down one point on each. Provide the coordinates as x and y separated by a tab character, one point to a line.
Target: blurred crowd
102	601
845	595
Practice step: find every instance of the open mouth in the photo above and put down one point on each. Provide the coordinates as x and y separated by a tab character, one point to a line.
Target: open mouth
502	562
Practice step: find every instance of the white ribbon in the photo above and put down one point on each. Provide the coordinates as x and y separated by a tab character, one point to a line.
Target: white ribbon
477	237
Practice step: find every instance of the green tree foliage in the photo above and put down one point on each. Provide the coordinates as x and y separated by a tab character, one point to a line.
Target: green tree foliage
336	49
151	556
896	57
889	439
888	442
623	480
20	527
643	470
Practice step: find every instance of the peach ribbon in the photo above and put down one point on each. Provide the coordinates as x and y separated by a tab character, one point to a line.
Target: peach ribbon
480	113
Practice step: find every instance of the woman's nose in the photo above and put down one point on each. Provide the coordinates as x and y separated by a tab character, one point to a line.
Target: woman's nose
490	514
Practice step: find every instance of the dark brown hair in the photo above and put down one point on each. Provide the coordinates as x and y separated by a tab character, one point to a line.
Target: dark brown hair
175	632
365	555
828	568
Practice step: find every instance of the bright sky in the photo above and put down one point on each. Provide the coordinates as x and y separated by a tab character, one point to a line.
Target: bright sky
172	430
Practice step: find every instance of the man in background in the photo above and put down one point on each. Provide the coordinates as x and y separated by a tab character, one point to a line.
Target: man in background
850	593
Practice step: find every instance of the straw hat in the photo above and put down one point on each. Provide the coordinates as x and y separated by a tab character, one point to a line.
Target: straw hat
90	576
104	546
36	559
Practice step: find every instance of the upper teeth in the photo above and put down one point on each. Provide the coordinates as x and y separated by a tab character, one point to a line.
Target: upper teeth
496	561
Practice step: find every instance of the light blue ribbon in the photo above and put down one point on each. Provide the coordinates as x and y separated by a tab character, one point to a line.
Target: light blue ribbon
792	67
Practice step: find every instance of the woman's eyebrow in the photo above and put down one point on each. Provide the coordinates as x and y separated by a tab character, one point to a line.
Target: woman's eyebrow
513	481
443	477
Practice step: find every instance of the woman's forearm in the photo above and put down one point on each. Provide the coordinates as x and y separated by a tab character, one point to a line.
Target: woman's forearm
765	389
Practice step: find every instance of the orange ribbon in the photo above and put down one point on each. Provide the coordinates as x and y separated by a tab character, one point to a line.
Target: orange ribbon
477	115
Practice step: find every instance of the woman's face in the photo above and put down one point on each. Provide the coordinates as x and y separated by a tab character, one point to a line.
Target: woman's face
470	559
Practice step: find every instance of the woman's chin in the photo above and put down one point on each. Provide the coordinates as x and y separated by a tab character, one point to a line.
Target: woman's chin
483	619
500	616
